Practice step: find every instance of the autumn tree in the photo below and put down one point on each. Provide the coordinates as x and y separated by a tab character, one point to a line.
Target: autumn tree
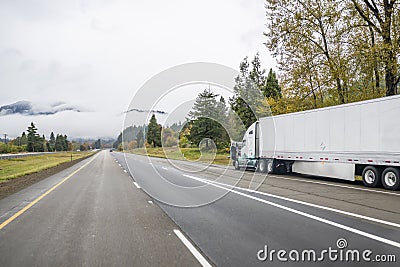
383	20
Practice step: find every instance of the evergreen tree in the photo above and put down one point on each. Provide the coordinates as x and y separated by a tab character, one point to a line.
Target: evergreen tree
140	138
247	101
24	139
97	144
272	88
154	132
32	138
65	145
52	142
208	116
59	145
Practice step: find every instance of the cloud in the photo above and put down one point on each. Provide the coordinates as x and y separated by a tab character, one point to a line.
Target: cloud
146	111
29	109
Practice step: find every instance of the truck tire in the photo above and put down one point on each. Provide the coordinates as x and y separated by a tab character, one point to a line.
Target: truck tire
371	176
270	166
262	166
237	166
391	178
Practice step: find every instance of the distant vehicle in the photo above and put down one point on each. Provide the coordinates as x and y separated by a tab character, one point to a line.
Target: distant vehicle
342	141
78	150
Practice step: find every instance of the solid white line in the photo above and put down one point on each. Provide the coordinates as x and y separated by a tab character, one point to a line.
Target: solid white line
165	168
307	215
336	185
136	184
191	248
313	205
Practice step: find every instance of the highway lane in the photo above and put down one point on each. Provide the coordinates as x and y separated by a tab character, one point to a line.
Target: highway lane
232	226
92	216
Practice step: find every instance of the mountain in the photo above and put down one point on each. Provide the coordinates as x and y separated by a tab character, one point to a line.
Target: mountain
29	109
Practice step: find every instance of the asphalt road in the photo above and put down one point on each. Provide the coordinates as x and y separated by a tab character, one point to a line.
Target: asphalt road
95	217
231	226
96	214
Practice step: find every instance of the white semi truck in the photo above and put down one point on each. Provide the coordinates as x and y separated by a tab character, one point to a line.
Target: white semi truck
361	138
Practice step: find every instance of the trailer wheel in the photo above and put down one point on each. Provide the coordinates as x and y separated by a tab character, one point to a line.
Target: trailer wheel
262	166
371	176
391	178
237	166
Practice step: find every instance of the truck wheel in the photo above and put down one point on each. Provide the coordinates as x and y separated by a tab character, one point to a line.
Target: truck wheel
270	166
237	166
391	178
371	176
262	166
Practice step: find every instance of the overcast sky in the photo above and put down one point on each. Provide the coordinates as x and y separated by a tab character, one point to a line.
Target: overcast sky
93	55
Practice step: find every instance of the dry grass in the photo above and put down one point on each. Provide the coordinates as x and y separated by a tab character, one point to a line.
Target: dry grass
188	154
12	168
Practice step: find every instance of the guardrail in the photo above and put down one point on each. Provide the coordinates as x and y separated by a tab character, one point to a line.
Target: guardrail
22	155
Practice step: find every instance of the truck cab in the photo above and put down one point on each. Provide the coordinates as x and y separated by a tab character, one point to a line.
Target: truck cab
244	154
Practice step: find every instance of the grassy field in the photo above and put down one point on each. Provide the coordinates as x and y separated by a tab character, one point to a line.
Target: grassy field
12	168
188	154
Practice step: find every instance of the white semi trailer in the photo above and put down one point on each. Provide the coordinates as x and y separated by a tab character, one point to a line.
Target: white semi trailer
361	138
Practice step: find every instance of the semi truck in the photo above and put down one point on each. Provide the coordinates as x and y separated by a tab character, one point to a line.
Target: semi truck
344	141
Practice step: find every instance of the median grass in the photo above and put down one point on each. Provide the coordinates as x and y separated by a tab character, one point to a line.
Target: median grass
12	168
188	154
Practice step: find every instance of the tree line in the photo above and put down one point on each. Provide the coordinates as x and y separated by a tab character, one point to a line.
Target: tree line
32	141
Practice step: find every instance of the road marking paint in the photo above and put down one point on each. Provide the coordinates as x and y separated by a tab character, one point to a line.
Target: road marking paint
20	212
336	185
125	171
192	249
150	202
136	184
313	205
120	165
304	214
165	168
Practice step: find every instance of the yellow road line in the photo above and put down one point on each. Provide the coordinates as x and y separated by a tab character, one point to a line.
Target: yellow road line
16	215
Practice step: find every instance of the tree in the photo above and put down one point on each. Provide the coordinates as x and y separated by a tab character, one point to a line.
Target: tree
52	142
140	138
247	98
154	132
32	138
208	118
169	137
310	34
66	143
60	143
97	144
272	88
333	51
24	139
383	19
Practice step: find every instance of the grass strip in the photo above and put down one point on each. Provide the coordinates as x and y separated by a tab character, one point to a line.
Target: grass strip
13	168
187	154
